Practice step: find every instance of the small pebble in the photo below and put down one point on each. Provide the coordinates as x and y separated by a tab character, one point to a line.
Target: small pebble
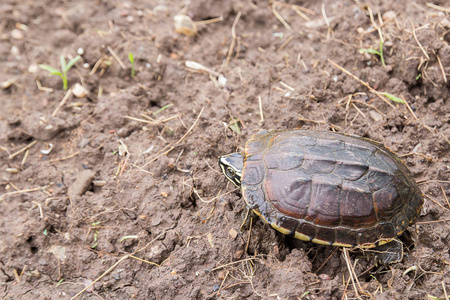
33	68
185	25
17	34
375	116
79	91
221	275
324	277
160	10
86	66
80	51
222	81
233	233
216	287
15	50
389	16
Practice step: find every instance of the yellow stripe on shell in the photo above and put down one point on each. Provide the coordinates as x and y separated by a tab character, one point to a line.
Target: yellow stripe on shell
302	237
321	242
298	235
342	245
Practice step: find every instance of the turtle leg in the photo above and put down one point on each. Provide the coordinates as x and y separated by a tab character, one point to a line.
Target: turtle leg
389	253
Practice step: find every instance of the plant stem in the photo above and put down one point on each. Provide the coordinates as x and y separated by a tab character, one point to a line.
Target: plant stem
381	54
64	79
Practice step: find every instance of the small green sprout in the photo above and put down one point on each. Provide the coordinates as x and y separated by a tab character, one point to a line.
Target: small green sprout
234	125
65	67
393	98
373	51
95	240
162	109
131	59
95	223
59	282
418	76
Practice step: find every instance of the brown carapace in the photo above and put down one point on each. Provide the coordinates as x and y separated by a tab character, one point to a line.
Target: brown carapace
326	187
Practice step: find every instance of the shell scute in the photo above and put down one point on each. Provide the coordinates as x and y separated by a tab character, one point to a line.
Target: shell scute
291	197
356	204
323	210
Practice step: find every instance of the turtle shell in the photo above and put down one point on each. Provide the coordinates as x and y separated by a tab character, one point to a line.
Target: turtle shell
329	188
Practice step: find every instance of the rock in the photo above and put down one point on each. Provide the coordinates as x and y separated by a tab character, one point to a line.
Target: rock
79	91
17	34
375	116
185	25
81	184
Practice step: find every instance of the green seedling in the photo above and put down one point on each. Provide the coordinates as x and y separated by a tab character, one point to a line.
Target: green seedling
60	281
234	125
373	51
65	67
162	109
95	240
131	59
393	98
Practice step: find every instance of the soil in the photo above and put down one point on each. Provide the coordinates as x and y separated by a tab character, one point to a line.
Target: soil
130	201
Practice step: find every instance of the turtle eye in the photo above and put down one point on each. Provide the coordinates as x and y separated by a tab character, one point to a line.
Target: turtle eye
230	172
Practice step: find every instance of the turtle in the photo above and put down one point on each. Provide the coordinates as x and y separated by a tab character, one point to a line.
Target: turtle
326	187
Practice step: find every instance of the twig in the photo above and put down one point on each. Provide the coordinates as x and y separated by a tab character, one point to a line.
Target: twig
362	82
25	157
436	221
356	107
249	234
22	150
420	45
232	263
192	127
444	9
324	15
350	271
409	108
445	291
233	35
437	203
64	158
280	18
300	13
442	68
285	43
40	208
287	86
22	192
143	260
63	101
260	109
114	54
317	271
303	9
209	21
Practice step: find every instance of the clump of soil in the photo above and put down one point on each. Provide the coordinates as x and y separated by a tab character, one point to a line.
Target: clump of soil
117	194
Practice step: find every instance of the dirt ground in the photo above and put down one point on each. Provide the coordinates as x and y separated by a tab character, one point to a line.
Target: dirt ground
130	201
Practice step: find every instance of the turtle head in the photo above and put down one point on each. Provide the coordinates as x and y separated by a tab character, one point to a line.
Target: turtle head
232	165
